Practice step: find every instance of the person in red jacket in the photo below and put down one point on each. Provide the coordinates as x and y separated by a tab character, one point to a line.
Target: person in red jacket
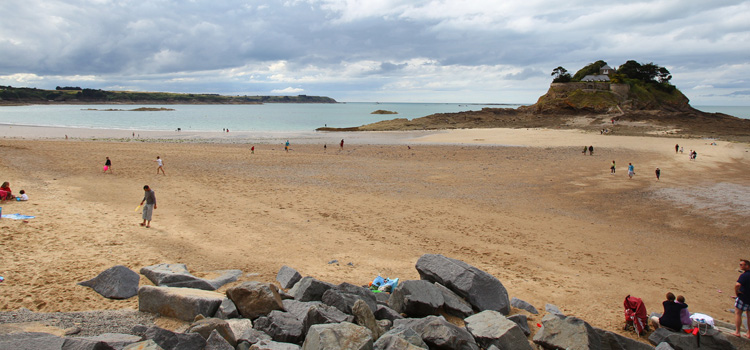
636	315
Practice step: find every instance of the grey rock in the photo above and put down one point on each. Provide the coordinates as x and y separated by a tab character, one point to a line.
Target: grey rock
400	338
115	340
490	327
116	282
552	309
31	341
287	277
285	295
416	298
712	339
169	340
454	304
309	289
561	332
299	308
382	298
180	303
438	333
338	336
615	341
323	314
143	345
177	275
386	313
255	299
365	318
207	326
386	324
272	345
664	346
523	305
522	322
482	290
216	341
227	310
242	329
344	301
84	344
281	326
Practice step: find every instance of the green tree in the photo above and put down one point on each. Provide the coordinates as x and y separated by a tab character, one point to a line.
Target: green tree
591	68
561	75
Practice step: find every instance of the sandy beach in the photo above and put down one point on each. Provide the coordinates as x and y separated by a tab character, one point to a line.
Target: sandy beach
523	204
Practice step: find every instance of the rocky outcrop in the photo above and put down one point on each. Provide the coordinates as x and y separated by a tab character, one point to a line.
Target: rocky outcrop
177	275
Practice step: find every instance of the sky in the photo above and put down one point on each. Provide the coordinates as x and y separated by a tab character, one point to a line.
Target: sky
471	51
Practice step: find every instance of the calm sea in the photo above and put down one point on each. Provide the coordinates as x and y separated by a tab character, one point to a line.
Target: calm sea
266	117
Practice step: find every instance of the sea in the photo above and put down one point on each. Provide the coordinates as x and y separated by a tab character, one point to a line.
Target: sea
272	117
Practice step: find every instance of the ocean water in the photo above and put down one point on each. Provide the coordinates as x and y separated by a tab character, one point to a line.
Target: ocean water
286	117
258	118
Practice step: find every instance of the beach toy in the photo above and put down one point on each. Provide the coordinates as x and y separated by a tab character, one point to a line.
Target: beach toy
136	208
2	279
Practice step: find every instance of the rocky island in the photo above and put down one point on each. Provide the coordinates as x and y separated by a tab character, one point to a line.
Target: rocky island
636	99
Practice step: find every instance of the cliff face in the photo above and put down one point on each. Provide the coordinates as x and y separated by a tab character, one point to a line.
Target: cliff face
600	98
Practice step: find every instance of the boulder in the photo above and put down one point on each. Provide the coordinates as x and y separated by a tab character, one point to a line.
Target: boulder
217	341
520	304
281	326
299	308
309	289
561	332
344	301
287	277
177	275
84	344
255	299
180	303
386	313
479	288
454	304
438	333
207	326
143	345
322	314
490	327
416	298
338	336
365	318
402	338
116	282
31	341
227	310
169	340
242	329
664	346
552	309
272	345
712	339
115	340
522	321
615	341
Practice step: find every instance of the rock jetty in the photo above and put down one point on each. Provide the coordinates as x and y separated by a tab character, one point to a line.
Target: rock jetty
453	306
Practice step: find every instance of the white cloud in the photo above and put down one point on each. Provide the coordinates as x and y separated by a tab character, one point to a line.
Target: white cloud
289	90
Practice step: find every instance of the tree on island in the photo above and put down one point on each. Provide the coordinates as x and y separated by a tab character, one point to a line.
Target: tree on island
561	75
590	69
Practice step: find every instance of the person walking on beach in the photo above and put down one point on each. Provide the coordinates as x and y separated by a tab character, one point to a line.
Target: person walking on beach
742	302
252	150
612	168
342	144
161	166
658	173
584	150
286	146
676	148
631	170
107	166
150	198
591	150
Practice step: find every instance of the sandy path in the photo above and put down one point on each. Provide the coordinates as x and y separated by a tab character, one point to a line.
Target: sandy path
555	226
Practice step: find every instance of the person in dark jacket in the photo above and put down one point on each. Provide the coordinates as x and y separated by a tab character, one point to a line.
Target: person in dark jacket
670	319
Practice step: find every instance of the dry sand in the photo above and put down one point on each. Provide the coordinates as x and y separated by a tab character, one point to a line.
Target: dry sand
552	224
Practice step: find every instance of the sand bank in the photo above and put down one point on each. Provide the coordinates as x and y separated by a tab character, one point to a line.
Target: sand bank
552	224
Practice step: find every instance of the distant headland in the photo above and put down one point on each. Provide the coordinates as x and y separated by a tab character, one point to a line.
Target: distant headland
75	95
635	99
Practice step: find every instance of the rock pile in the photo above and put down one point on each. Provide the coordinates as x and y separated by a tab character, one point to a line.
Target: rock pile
453	306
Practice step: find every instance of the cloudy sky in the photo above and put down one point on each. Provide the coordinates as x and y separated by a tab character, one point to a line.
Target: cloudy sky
371	50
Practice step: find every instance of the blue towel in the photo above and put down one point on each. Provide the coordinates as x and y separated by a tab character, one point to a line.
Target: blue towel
17	216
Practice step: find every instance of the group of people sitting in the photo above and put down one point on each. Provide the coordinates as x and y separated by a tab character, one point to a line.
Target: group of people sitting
676	316
7	194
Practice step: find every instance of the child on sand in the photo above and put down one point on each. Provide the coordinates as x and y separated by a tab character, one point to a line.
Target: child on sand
107	166
23	196
612	168
161	166
631	170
